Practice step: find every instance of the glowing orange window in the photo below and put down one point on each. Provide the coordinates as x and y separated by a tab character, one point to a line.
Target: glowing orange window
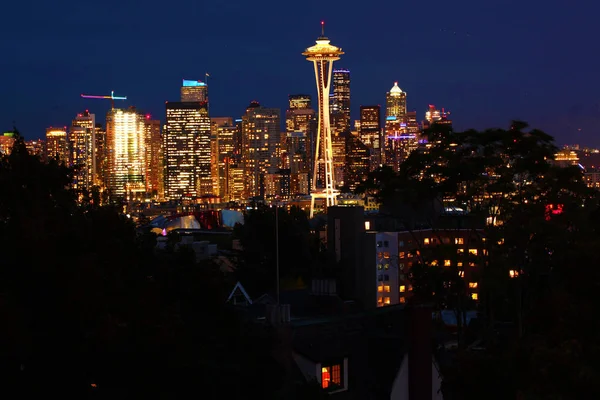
331	376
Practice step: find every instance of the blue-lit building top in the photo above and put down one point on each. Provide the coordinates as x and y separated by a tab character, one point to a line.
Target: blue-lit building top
190	83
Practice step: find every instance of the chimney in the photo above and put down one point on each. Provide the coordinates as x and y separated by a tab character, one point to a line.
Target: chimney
419	352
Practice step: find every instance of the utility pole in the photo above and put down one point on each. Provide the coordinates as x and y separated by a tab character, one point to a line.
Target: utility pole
277	248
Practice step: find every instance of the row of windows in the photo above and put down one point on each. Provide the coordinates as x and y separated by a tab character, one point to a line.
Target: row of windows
426	241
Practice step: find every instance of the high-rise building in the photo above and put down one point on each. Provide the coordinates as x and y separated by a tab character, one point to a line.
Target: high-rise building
187	150
299	101
396	103
435	116
82	139
7	140
261	147
101	156
370	132
300	117
236	183
223	133
401	137
34	147
338	147
322	55
57	146
194	91
154	158
126	153
358	162
297	162
340	101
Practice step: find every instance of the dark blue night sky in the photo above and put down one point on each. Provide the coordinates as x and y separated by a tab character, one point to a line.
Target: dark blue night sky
486	61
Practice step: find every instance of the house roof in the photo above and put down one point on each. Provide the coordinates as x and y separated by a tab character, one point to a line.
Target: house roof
238	290
374	343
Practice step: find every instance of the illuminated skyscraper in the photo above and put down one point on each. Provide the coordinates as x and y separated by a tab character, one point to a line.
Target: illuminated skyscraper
433	115
7	141
101	156
194	91
338	147
370	132
299	101
396	103
261	147
154	158
126	153
322	55
187	150
82	137
400	140
223	133
300	117
358	162
57	146
340	101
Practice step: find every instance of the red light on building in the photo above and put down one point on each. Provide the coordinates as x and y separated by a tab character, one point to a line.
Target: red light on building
553	209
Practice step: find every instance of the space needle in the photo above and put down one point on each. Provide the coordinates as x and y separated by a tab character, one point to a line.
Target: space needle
323	54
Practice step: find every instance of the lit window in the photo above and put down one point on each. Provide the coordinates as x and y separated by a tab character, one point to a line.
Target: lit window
402	288
459	264
474	296
426	241
410	288
386	288
386	254
331	376
386	300
472	285
473	251
459	241
367	225
401	255
380	289
461	274
379	266
447	263
460	251
402	300
471	264
434	263
386	266
513	273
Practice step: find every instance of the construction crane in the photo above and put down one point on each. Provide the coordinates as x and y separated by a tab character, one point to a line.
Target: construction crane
110	97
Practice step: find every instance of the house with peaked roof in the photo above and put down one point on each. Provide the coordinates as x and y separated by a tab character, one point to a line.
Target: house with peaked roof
239	296
372	355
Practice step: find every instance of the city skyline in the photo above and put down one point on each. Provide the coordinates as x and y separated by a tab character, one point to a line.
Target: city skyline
482	62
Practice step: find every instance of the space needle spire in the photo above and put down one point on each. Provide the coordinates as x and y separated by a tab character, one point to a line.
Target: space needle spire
323	54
